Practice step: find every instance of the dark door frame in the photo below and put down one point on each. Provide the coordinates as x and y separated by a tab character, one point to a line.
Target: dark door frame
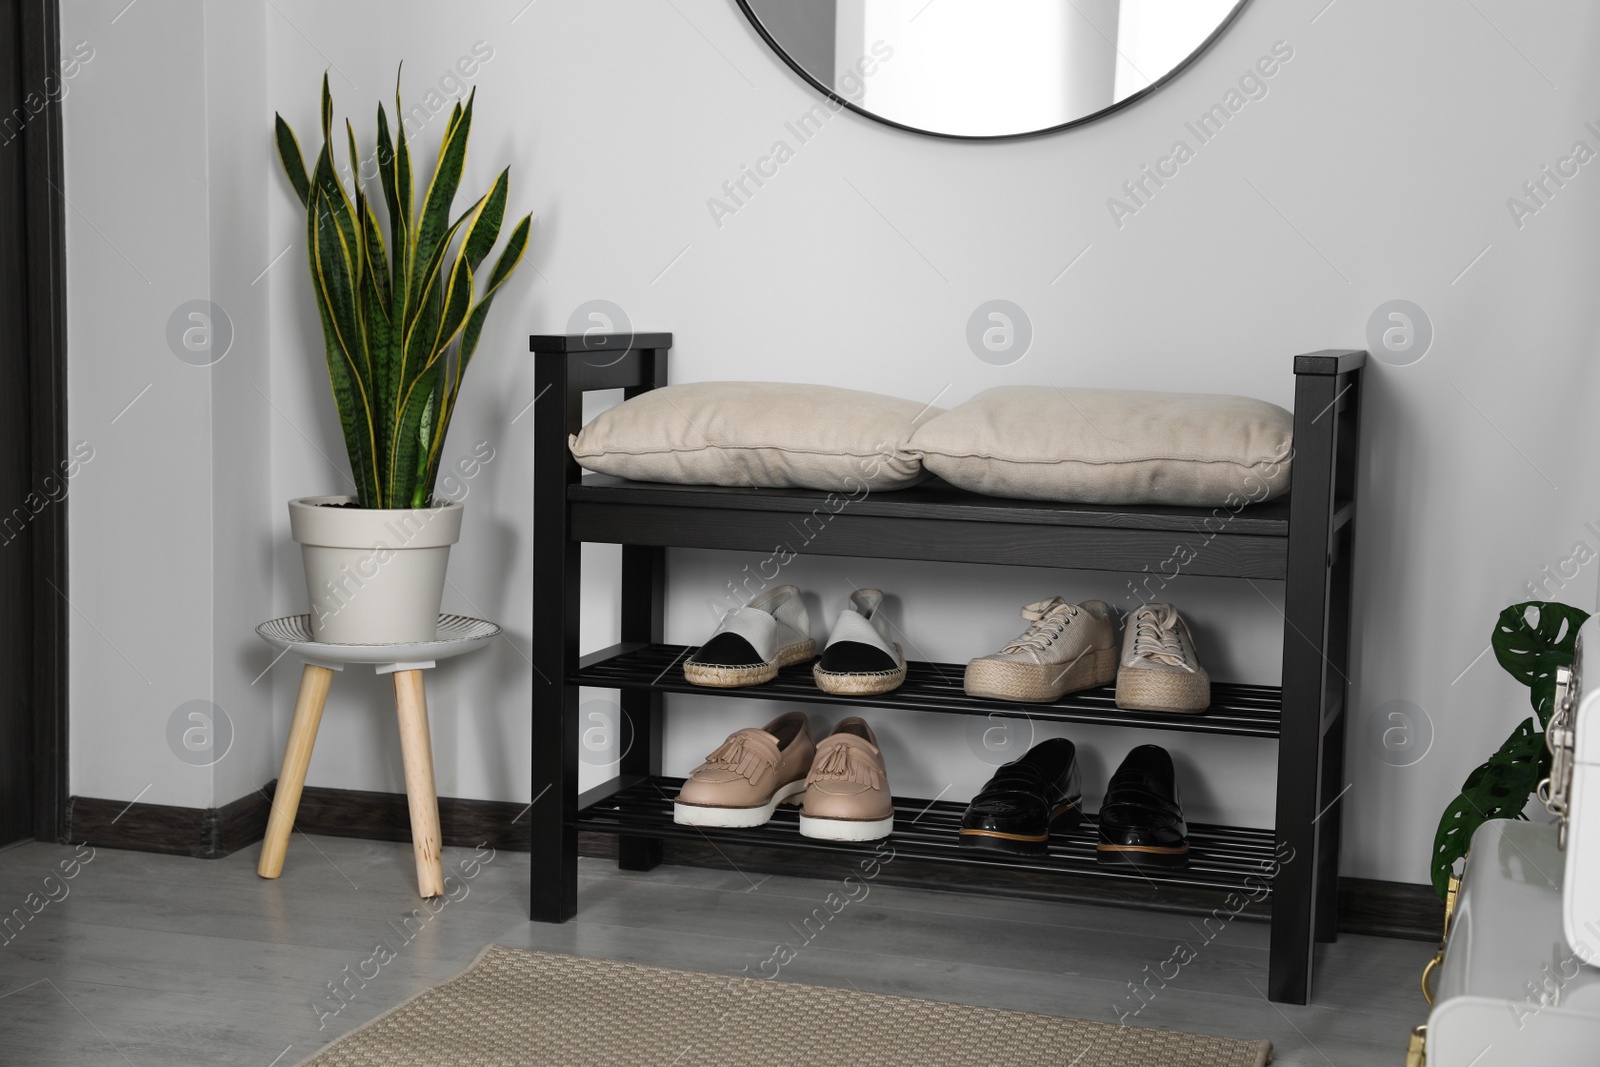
42	302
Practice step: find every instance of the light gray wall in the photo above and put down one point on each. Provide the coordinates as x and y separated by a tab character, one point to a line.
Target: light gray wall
1377	167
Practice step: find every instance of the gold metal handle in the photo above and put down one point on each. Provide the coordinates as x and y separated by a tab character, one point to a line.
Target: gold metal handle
1416	1052
1427	973
1451	893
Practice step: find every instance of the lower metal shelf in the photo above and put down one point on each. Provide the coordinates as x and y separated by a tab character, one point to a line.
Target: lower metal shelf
1220	857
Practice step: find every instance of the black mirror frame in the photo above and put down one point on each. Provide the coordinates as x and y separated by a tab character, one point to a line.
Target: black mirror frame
1126	101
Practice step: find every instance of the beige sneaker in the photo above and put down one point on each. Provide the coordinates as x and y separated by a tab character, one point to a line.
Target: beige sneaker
749	775
1160	670
1068	647
847	792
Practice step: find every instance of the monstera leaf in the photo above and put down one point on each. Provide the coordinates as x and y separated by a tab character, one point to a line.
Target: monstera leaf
1530	641
1531	651
1498	789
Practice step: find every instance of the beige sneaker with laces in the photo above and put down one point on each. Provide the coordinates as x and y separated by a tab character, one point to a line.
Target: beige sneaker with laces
1068	647
1160	669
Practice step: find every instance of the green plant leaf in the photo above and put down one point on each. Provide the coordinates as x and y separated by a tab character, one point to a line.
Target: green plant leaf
407	439
510	256
485	228
327	111
294	164
434	221
1497	789
1531	640
375	261
355	160
388	179
355	414
405	194
379	336
516	245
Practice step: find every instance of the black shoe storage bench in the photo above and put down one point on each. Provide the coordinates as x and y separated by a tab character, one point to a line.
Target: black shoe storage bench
1303	540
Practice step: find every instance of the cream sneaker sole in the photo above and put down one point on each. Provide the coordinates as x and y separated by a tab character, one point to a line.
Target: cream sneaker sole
1144	689
1038	682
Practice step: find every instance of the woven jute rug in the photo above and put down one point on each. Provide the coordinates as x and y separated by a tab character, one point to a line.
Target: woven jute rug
514	1008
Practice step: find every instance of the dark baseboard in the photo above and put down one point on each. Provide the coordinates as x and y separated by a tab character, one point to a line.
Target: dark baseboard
1366	906
1390	909
204	833
385	817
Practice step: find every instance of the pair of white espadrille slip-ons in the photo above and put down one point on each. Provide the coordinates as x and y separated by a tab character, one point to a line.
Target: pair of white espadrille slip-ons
774	630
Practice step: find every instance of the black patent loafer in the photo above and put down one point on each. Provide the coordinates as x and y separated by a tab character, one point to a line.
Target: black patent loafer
1025	800
1141	820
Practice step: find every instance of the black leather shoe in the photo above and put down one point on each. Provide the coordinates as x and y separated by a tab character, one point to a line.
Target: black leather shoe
1141	820
1026	799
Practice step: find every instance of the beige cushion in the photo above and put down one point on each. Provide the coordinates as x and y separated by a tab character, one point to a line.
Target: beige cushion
762	434
1102	446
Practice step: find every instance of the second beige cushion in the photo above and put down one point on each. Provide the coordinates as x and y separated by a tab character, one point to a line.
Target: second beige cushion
763	434
1103	446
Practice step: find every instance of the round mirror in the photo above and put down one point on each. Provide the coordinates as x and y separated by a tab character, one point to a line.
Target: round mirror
988	68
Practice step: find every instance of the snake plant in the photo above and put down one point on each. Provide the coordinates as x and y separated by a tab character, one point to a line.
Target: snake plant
400	318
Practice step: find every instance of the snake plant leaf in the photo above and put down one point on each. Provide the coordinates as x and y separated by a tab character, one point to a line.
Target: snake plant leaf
1531	650
355	414
422	329
355	159
294	163
516	245
375	260
389	180
334	274
1497	789
457	302
405	192
485	229
406	447
335	201
434	221
327	111
434	422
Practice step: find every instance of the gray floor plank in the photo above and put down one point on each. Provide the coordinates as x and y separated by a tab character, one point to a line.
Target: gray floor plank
162	960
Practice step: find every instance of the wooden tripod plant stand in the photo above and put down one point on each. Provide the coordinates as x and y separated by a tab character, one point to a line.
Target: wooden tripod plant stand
457	635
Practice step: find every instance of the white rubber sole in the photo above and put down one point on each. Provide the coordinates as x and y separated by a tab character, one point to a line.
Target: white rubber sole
845	829
737	818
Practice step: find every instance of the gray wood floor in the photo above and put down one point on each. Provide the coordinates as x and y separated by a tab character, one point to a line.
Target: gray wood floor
155	960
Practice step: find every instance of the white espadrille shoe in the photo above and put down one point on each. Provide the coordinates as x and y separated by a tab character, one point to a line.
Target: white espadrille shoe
752	642
1160	670
859	659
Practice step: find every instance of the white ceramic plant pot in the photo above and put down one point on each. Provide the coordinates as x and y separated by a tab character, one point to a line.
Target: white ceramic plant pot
375	575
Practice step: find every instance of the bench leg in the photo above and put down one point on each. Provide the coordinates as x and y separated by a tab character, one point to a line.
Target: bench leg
314	684
416	750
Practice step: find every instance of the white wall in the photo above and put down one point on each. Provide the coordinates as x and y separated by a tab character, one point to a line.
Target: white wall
1376	167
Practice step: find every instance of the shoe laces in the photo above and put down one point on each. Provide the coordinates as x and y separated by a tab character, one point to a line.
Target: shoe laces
846	763
1156	636
1050	618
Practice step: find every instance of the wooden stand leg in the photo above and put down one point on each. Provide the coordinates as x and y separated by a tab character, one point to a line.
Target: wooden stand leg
314	684
416	749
